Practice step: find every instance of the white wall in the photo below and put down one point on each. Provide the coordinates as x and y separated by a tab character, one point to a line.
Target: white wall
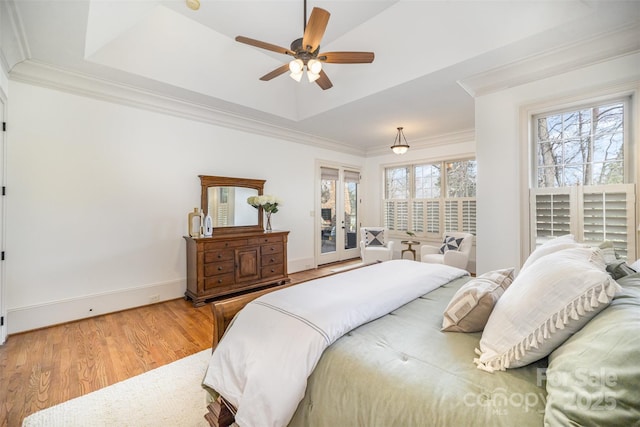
98	197
501	139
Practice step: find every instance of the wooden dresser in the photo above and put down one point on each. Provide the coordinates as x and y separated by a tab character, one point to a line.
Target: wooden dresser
234	262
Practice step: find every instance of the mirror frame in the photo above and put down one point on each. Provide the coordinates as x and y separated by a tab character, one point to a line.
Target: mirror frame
207	181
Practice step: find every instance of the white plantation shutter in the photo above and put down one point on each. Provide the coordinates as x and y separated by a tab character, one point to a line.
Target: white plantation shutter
402	215
396	214
451	215
608	213
469	216
460	214
433	217
389	214
591	213
551	209
417	216
425	217
222	214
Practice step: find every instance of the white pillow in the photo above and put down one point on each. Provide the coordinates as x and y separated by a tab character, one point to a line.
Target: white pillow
559	243
549	301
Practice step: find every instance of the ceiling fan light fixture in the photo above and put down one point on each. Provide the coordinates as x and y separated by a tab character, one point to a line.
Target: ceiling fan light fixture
398	146
296	76
314	66
296	66
312	76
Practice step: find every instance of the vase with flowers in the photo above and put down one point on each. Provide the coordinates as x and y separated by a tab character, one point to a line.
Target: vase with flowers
269	205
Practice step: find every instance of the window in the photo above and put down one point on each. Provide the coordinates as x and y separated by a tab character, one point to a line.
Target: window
579	183
431	198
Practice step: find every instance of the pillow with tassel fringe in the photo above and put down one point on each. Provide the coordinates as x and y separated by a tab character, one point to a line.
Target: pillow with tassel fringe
557	244
546	304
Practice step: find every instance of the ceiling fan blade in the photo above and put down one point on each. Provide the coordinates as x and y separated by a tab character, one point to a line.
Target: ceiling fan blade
324	81
315	29
275	73
264	45
346	57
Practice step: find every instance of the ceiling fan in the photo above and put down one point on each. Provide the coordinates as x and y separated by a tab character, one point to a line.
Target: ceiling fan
305	51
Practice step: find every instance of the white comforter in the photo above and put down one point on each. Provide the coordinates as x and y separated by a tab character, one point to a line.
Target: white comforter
262	363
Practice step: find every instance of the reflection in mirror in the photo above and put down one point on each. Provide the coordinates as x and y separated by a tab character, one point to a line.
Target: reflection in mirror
225	199
228	206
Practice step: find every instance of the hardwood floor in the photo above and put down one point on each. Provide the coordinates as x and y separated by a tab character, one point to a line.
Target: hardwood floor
45	367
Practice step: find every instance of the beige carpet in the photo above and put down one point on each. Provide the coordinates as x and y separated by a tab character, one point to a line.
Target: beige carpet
167	396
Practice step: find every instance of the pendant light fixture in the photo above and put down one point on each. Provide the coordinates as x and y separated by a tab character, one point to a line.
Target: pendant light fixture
398	146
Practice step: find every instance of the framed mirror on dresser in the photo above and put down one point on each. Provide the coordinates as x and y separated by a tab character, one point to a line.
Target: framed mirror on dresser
240	255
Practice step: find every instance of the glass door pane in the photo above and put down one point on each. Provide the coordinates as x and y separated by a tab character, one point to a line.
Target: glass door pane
328	201
351	180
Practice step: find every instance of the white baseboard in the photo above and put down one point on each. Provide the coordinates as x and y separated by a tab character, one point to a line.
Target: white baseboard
300	264
56	312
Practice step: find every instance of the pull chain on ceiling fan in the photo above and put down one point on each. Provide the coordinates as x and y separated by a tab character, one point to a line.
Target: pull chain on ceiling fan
305	51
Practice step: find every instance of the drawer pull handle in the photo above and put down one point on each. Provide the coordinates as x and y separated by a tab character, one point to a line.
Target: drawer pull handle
219	280
219	268
272	260
272	270
219	256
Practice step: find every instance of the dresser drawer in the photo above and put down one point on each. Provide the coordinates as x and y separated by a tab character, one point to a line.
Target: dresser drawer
271	259
225	244
272	270
274	248
216	268
220	281
219	255
265	239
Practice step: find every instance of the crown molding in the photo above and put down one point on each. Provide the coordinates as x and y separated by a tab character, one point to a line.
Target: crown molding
430	142
598	48
52	77
14	48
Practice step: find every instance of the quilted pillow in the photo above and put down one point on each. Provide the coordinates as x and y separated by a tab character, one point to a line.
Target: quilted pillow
374	237
549	301
450	243
470	307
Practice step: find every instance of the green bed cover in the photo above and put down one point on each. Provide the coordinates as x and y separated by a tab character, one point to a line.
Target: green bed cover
401	370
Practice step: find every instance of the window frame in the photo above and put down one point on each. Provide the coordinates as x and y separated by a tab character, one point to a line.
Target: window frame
576	192
625	100
442	201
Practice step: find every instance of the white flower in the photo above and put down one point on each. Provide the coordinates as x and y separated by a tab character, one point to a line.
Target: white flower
268	202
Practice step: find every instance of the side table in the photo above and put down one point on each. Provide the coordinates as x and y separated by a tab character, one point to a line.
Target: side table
409	243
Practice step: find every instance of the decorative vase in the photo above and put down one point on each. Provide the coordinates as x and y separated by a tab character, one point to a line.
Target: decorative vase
194	223
268	227
208	226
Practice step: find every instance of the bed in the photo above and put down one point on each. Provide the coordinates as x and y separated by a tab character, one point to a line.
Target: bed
401	368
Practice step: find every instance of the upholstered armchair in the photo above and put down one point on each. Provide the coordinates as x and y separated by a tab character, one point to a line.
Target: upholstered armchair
375	245
454	250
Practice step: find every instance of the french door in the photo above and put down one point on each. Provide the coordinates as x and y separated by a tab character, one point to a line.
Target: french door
338	203
3	313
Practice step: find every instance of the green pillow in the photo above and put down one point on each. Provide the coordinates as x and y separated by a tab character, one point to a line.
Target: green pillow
593	378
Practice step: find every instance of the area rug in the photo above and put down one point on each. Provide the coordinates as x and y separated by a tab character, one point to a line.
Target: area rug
167	396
